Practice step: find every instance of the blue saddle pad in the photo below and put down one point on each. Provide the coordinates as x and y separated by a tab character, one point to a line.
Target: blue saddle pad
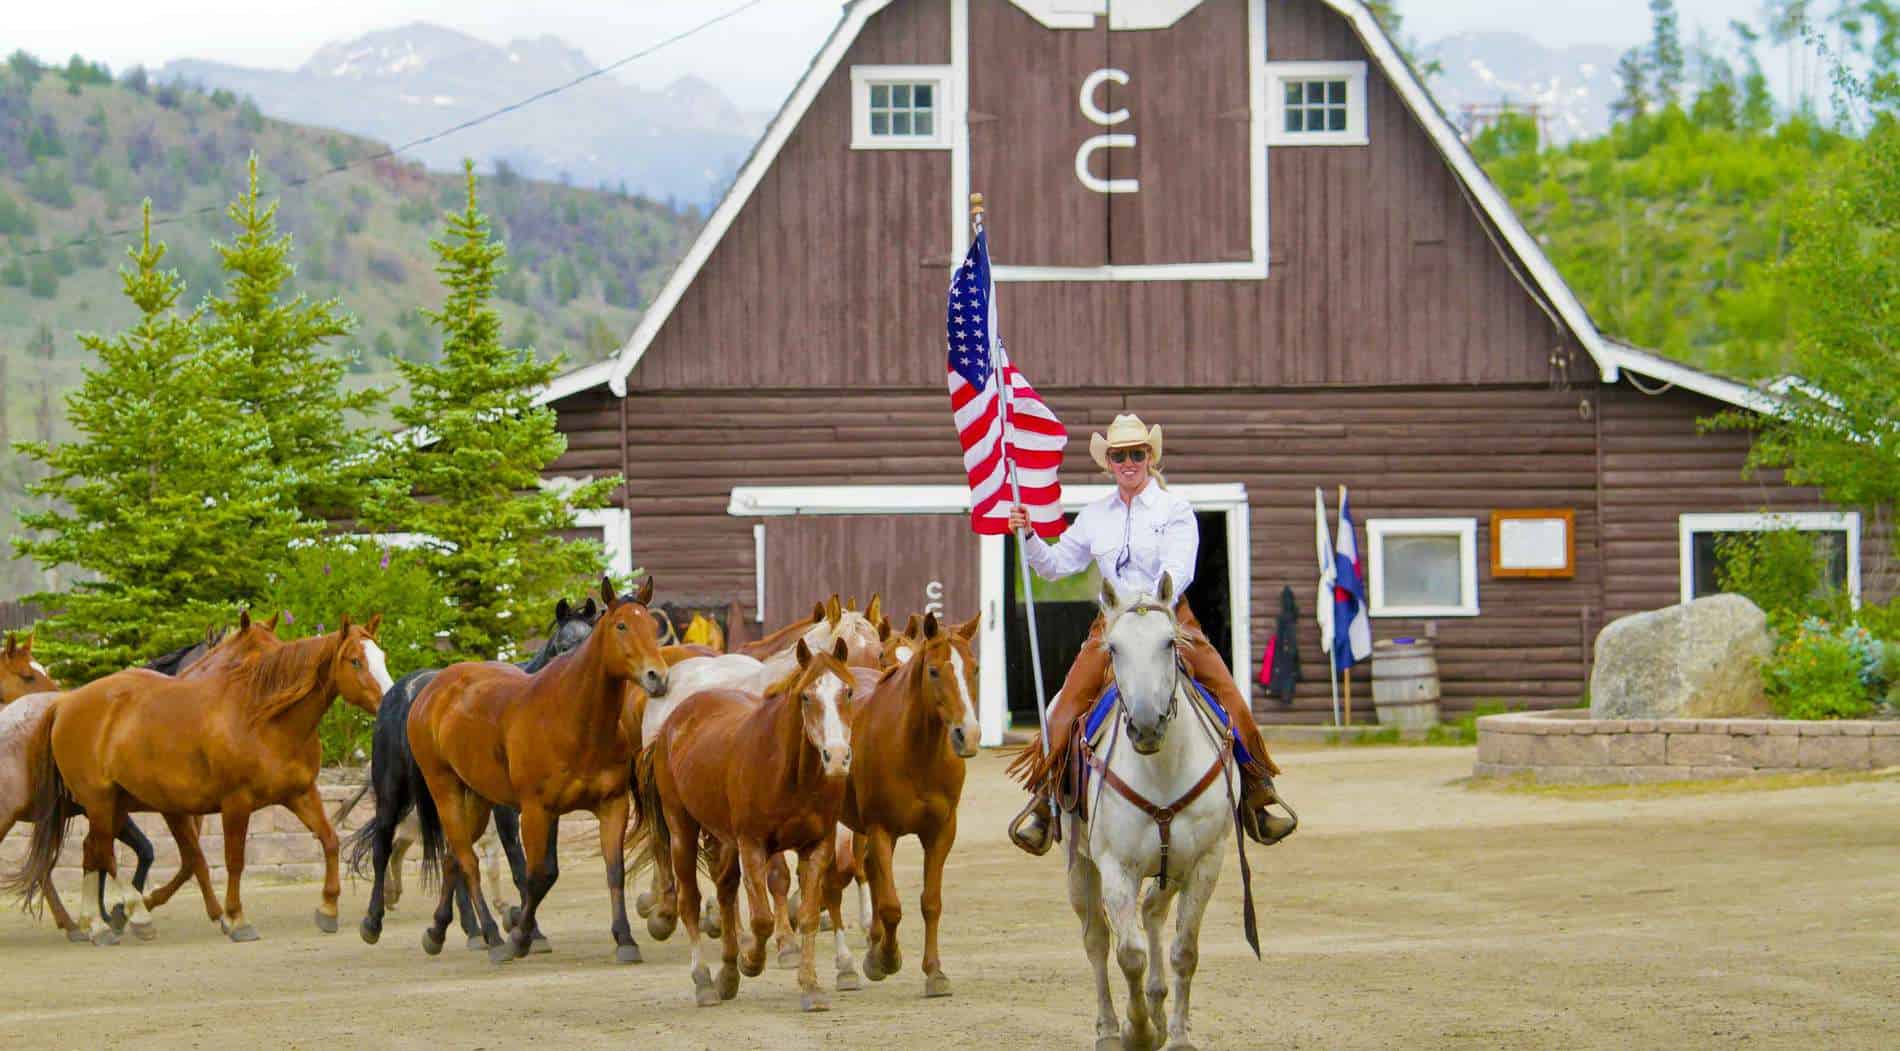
1099	715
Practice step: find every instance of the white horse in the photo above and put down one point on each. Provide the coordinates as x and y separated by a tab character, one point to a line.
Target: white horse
1165	821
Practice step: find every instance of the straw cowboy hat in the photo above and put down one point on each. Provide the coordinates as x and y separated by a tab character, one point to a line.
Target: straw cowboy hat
1126	431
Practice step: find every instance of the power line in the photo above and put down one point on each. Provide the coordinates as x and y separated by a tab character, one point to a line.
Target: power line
388	152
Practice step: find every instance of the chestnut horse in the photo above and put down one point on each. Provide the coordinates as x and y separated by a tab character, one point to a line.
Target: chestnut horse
914	731
761	775
239	737
20	717
485	733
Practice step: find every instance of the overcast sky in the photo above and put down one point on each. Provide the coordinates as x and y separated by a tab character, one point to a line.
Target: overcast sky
755	57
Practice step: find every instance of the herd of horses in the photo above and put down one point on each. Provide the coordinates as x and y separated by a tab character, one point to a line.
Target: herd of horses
788	769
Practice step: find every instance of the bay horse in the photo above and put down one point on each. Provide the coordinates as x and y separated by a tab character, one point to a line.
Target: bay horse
20	716
761	775
1158	804
914	731
239	737
380	844
486	733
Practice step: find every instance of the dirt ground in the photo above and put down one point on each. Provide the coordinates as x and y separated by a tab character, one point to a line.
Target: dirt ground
1409	910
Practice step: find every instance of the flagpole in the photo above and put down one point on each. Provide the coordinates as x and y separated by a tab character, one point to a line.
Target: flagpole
1022	538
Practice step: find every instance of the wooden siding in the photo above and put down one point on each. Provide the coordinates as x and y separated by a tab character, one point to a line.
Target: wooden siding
1658	465
896	556
834	272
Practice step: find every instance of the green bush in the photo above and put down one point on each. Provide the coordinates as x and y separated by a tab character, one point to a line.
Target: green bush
1784	571
361	578
1817	673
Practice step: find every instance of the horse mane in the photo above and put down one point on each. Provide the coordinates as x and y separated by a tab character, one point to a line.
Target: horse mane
276	680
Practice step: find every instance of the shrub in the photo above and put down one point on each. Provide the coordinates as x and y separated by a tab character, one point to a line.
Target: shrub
1784	571
1819	673
360	577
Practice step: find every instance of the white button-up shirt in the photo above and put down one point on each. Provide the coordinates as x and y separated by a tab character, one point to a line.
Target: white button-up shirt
1133	544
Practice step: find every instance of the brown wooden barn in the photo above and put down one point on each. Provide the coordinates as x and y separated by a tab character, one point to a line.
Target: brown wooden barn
1244	220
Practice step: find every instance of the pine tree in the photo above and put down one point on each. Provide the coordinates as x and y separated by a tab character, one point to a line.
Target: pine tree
1632	98
1665	51
467	475
284	375
164	500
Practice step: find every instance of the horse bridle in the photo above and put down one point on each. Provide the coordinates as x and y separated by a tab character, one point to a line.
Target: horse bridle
1174	687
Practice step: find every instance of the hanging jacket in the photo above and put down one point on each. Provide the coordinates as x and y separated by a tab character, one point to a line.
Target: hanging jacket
1280	670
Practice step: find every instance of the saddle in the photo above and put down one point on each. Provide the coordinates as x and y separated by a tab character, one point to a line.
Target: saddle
1072	766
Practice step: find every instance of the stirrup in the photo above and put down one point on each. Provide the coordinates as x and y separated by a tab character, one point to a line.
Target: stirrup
1262	825
1030	829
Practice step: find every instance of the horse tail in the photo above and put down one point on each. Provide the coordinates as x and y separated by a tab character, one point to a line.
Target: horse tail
393	776
343	812
651	841
49	807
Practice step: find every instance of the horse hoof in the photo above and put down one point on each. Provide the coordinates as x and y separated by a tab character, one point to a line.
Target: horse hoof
644	904
628	953
431	943
814	1002
145	932
246	933
871	968
711	927
513	917
501	952
371	935
106	937
117	918
77	936
541	947
728	985
848	981
703	992
789	955
477	943
660	927
325	923
751	965
936	985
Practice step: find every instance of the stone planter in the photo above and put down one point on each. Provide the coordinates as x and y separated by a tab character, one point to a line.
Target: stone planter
1569	747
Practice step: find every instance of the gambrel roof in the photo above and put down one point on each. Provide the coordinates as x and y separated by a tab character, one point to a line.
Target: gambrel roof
1542	279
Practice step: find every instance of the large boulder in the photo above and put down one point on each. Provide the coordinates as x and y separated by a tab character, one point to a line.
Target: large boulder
1697	660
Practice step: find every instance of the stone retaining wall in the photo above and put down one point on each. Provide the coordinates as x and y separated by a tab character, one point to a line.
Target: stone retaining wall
1568	746
277	845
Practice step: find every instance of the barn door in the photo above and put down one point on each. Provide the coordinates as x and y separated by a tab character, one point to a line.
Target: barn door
917	562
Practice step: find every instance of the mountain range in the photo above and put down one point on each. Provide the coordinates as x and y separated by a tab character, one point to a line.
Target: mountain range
682	143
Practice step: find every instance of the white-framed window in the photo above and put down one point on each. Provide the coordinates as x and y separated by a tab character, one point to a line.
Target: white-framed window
901	107
1422	567
616	535
1836	533
1316	104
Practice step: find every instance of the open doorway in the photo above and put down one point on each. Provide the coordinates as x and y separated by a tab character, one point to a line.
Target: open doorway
1065	609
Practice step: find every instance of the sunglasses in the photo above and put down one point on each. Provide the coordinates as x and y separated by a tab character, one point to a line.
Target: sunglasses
1135	455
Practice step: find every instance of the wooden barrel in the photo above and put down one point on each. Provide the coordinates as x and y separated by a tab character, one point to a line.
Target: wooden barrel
1405	683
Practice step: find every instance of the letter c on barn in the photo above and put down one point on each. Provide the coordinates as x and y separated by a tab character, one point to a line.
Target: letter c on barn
1090	109
1103	142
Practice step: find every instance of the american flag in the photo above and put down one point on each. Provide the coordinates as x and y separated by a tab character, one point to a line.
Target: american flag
1031	438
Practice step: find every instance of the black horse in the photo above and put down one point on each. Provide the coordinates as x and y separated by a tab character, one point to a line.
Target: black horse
396	780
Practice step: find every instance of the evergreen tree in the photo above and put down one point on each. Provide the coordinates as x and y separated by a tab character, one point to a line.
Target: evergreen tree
1632	93
164	500
467	475
283	375
1665	50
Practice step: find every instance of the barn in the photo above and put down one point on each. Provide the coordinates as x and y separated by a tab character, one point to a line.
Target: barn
1244	220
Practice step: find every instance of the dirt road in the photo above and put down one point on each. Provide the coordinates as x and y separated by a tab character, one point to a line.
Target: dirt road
1408	911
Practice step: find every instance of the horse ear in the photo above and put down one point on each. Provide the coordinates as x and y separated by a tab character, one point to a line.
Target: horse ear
967	630
375	622
1109	600
833	611
817	613
26	647
607	591
930	625
852	605
840	650
11	644
589	608
244	620
272	622
883	631
343	623
915	625
803	653
1164	590
645	595
562	611
875	611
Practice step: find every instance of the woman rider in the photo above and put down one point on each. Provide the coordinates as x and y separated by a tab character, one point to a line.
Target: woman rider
1134	535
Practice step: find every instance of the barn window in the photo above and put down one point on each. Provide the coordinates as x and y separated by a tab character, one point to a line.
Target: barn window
1316	103
1422	567
1836	536
900	107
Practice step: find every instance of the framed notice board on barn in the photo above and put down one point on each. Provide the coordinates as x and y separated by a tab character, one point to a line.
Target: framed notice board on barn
1539	542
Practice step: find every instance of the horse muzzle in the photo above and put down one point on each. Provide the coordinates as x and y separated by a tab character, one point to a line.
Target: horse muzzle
836	759
963	741
1145	741
654	682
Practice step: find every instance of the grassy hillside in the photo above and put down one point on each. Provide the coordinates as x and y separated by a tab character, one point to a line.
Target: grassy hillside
80	151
